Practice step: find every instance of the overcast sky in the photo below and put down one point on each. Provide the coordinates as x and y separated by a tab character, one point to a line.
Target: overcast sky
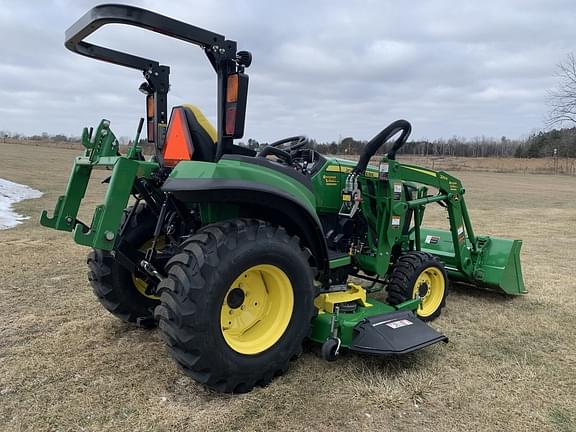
327	69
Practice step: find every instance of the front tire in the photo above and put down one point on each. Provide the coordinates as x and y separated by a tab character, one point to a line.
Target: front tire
237	304
419	274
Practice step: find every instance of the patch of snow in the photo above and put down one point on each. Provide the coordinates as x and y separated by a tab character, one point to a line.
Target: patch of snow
11	193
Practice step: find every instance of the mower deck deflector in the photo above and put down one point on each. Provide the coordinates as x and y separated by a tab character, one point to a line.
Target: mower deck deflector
394	333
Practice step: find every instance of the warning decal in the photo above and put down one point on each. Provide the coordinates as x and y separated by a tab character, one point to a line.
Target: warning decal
430	239
460	233
397	191
399	323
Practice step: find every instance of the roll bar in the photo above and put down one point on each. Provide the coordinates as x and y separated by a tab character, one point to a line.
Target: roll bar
220	51
215	45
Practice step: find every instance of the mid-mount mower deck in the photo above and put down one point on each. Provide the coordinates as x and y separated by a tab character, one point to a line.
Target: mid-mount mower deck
237	255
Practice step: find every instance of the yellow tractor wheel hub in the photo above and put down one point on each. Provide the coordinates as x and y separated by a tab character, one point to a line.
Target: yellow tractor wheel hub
257	309
430	286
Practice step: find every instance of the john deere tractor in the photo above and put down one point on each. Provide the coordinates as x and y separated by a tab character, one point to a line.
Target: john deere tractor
238	256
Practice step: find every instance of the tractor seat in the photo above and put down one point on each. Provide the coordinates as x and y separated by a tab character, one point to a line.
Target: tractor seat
190	136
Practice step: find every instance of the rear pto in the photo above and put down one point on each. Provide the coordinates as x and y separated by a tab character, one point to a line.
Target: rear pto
239	256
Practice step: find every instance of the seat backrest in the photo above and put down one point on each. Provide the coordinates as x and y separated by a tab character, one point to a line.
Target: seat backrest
204	136
190	136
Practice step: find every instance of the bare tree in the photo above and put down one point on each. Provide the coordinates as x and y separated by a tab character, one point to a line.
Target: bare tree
562	99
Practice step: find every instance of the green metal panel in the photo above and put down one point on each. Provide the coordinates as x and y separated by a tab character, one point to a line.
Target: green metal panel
227	169
327	184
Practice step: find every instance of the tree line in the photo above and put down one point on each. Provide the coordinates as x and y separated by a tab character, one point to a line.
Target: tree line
554	143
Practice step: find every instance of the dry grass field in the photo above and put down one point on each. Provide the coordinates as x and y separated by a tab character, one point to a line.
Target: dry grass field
67	365
563	166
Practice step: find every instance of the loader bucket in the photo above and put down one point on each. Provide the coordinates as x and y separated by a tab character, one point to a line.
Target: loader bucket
495	266
499	265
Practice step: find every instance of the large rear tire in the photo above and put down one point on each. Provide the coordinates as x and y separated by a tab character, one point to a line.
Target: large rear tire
121	293
419	274
237	304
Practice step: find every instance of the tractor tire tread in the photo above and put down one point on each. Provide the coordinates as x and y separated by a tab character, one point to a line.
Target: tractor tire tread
399	287
104	278
182	315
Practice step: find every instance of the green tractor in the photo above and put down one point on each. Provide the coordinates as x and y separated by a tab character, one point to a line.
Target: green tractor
239	256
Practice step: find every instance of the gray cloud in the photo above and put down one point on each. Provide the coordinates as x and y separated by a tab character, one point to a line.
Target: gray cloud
324	68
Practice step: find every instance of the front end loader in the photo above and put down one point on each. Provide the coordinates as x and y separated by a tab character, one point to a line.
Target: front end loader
238	256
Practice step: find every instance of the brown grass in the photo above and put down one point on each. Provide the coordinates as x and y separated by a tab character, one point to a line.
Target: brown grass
67	365
559	166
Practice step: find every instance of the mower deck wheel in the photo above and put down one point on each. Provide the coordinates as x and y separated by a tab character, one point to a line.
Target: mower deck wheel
329	351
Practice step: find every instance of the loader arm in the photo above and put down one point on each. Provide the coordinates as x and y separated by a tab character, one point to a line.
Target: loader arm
395	219
451	194
487	261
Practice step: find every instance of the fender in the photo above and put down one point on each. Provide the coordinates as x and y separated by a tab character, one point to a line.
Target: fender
260	201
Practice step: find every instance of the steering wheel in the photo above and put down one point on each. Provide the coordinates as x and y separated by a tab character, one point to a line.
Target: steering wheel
281	154
284	153
298	140
382	138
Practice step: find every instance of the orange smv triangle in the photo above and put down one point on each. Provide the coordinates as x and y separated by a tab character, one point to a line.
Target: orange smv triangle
178	144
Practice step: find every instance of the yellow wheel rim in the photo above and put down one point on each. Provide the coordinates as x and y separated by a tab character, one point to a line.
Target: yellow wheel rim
257	309
430	285
141	284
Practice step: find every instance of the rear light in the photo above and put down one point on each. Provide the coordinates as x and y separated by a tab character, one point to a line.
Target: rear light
178	144
230	120
150	118
235	108
150	131
232	88
150	107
